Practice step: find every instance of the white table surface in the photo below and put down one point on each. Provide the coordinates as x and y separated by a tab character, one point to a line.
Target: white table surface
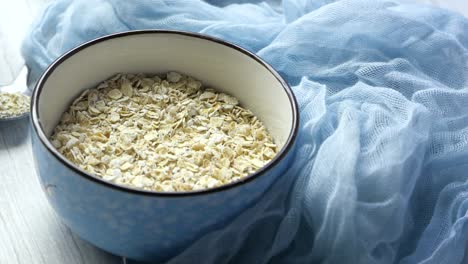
30	232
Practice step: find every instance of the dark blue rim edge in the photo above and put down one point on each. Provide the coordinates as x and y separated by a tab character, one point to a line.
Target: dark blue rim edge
36	121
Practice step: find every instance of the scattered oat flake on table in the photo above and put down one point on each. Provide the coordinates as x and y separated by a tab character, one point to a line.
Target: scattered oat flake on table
13	104
162	134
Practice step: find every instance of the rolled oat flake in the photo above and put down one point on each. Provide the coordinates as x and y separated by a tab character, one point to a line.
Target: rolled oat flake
162	133
13	105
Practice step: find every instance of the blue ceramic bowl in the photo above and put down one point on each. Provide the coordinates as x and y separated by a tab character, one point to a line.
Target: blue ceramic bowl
141	224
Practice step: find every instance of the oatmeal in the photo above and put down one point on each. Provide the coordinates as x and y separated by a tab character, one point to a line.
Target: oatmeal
13	104
166	134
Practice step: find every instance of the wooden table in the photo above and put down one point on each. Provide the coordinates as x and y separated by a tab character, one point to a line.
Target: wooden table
30	231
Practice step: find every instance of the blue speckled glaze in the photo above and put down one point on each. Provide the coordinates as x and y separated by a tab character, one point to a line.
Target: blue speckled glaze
138	226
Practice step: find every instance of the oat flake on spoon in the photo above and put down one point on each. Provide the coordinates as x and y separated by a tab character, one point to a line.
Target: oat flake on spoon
13	105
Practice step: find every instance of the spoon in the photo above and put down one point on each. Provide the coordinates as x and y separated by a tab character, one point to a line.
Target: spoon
18	86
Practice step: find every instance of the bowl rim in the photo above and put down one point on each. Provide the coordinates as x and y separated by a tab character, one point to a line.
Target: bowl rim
36	121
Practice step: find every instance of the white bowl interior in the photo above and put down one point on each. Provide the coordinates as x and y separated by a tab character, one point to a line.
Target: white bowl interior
214	64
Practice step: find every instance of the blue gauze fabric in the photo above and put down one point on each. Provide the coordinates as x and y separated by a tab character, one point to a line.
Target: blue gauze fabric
382	156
